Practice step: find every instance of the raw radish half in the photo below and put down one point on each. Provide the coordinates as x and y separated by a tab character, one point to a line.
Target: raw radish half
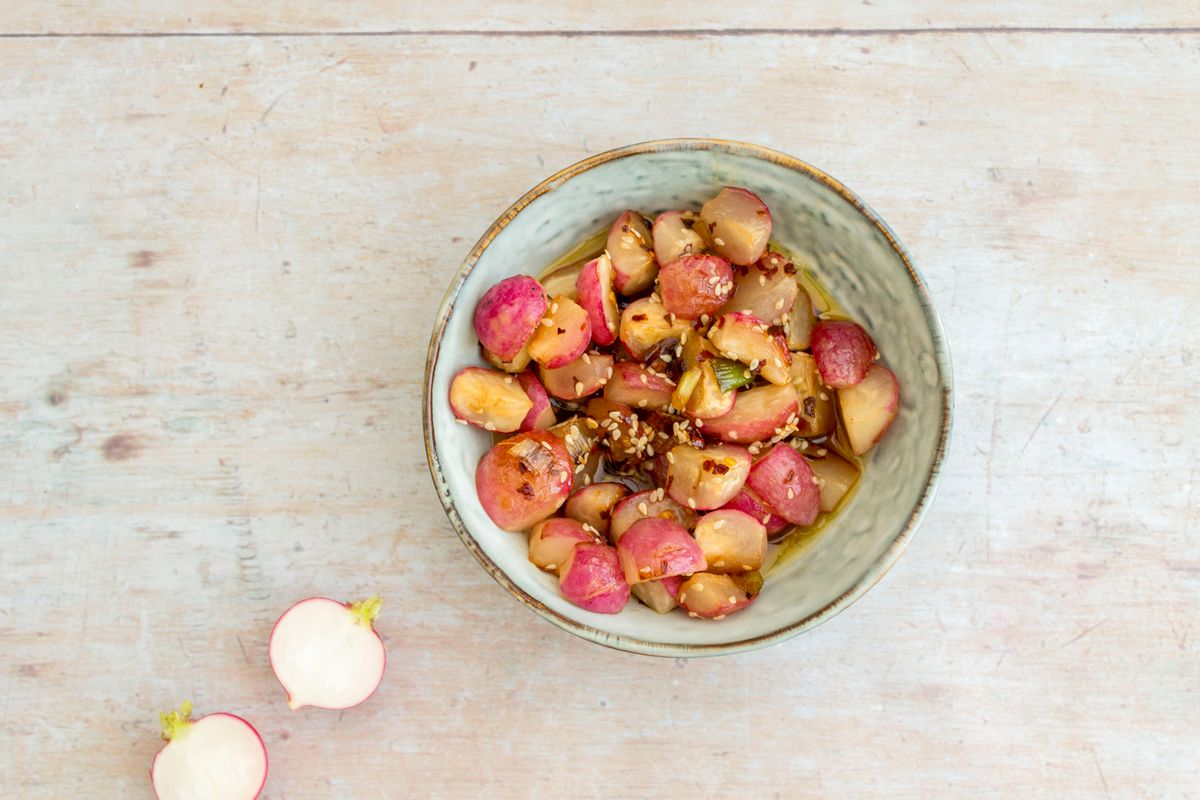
216	757
327	654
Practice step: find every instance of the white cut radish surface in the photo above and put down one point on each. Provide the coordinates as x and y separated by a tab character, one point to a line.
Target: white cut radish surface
327	654
216	757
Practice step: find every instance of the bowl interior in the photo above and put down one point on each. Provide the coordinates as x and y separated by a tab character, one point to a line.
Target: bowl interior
854	259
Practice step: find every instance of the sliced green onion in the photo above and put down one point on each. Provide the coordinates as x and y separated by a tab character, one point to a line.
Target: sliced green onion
731	374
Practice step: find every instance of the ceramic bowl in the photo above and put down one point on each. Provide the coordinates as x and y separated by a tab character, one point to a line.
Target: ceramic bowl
857	258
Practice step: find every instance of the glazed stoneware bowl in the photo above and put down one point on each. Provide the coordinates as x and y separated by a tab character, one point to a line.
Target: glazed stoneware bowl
855	256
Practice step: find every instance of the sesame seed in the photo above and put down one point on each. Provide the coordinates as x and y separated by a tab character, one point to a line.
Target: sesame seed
614	434
693	614
692	504
508	378
824	396
579	468
754	364
670	457
815	481
704	318
587	479
779	304
699	587
650	450
564	476
578	387
762	280
609	372
591	423
642	402
821	451
552	566
644	570
733	435
714	280
777	362
666	357
643	509
717	526
732	599
720	563
487	426
548	446
547	321
791	494
747	567
683	338
586	358
719	616
718	241
747	374
699	423
766	518
615	414
461	421
644	378
554	308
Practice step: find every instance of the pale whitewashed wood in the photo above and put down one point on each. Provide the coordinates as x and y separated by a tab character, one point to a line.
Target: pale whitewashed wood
219	260
564	16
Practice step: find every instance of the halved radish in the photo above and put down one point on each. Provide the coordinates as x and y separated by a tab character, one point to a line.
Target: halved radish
758	414
699	394
551	542
844	352
584	376
327	654
541	415
517	363
563	334
631	249
218	756
800	322
749	502
708	478
835	475
658	595
594	293
638	387
592	579
581	441
766	289
816	407
746	338
489	399
786	484
618	430
711	596
645	324
562	279
508	313
695	285
651	503
869	408
674	237
656	548
738	224
524	479
593	504
732	541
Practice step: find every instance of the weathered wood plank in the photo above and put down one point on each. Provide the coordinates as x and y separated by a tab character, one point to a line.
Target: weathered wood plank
220	261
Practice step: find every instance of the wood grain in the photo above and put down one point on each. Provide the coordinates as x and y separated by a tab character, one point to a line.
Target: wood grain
221	259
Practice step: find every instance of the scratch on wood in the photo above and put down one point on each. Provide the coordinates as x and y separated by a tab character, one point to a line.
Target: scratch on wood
1100	772
1041	421
1084	633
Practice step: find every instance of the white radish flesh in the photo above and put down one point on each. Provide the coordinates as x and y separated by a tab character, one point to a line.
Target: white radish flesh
746	338
632	252
216	757
327	654
708	478
815	409
869	407
645	324
732	541
738	224
674	237
489	399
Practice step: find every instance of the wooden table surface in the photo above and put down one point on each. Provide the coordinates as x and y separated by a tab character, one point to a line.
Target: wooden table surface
224	232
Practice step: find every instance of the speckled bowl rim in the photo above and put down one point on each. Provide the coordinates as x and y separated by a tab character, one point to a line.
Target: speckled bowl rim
630	644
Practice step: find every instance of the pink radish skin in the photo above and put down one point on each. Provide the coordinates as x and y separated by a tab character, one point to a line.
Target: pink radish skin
541	415
870	407
642	505
524	479
738	224
757	415
592	579
489	399
593	504
658	548
844	352
708	478
219	756
563	334
594	293
766	289
785	482
637	387
751	504
732	541
508	313
674	237
746	338
658	595
327	654
631	249
645	324
551	542
710	596
584	376
692	286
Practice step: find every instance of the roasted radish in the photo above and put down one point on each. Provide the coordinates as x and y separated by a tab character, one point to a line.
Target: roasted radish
835	475
638	387
659	595
581	440
327	654
748	339
766	289
816	405
749	502
593	504
516	364
758	414
711	596
618	430
708	478
632	252
489	399
647	505
656	548
551	542
217	757
645	324
693	286
541	415
562	336
524	479
584	376
592	579
594	293
870	407
738	224
786	484
843	351
732	541
800	321
674	237
507	315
